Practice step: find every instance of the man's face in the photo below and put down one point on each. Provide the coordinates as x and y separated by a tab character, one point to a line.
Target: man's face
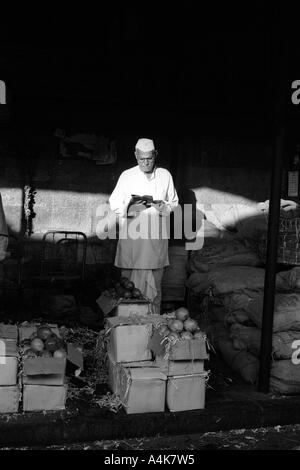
146	160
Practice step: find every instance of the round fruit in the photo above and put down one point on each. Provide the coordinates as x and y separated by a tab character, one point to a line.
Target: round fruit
127	294
182	313
26	349
43	332
173	336
163	330
60	353
176	325
52	343
170	322
46	353
123	281
136	293
30	353
186	335
190	325
37	345
129	285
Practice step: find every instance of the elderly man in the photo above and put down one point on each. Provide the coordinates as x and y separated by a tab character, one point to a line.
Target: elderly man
142	251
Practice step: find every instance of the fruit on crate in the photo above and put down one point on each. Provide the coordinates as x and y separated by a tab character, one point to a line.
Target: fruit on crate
43	343
61	353
190	325
176	325
123	281
182	313
127	294
52	343
186	335
126	289
30	353
136	293
182	325
163	330
173	336
46	353
37	345
129	285
44	332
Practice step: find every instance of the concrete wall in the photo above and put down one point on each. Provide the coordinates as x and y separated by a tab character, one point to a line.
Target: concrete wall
69	191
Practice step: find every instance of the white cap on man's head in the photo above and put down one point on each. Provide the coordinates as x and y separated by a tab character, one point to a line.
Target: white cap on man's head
145	145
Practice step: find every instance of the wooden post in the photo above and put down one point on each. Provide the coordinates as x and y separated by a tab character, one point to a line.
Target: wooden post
270	274
274	213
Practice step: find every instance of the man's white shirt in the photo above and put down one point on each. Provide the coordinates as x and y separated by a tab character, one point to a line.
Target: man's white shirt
150	252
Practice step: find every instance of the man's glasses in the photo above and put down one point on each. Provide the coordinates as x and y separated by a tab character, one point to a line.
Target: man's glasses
148	159
143	160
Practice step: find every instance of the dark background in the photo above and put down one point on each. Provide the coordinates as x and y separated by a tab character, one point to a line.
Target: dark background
212	70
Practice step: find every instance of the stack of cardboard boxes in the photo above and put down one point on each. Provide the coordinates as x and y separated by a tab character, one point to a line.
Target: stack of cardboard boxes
183	363
39	381
9	389
43	378
132	374
145	376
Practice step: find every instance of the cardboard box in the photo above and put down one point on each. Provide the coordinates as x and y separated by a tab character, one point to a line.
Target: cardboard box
142	389
171	368
8	331
107	303
51	371
43	397
25	331
8	347
133	308
9	399
186	392
125	307
128	339
44	370
183	350
8	370
114	375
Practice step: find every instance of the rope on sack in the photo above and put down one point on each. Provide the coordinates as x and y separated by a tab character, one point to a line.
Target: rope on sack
209	345
208	374
128	385
172	382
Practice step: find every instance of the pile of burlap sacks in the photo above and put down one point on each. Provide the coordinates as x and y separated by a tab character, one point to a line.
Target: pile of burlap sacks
229	272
